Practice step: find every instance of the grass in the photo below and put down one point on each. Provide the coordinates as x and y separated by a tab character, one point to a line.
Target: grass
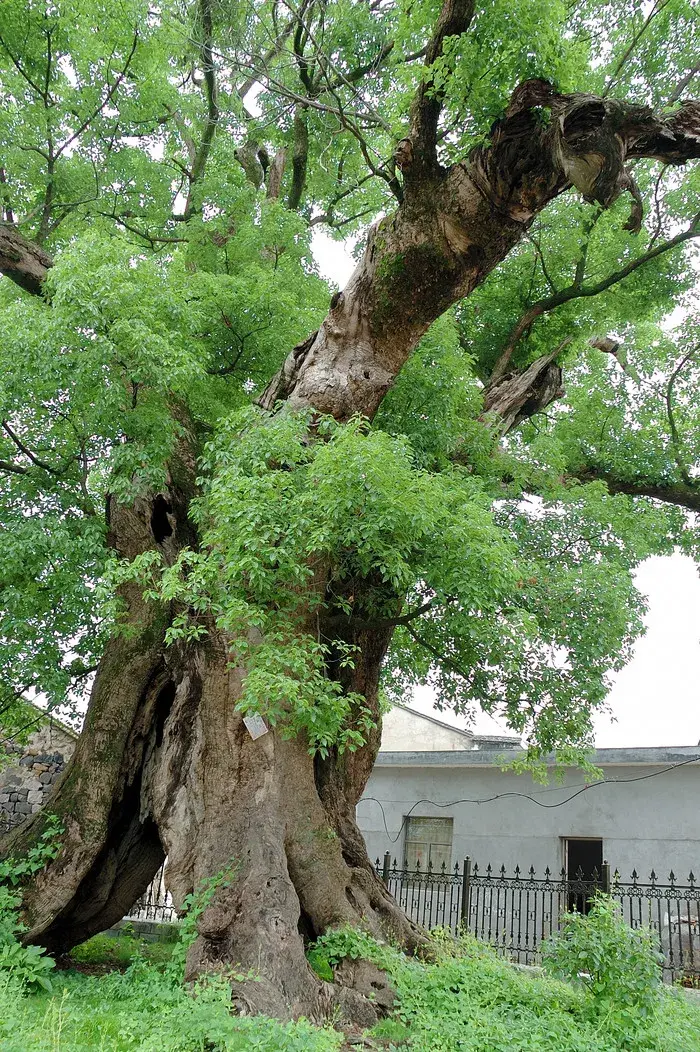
141	1009
105	953
466	1000
476	1002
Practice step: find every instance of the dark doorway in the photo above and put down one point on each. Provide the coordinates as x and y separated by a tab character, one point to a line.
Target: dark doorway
583	861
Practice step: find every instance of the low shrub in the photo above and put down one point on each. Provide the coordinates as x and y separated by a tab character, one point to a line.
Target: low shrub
333	947
471	1000
467	998
617	967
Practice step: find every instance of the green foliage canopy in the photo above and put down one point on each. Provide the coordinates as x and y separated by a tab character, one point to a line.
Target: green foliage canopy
178	279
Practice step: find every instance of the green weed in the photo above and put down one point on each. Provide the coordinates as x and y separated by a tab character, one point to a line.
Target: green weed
27	966
465	999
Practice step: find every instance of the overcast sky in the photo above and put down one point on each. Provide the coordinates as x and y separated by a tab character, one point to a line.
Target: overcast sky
655	700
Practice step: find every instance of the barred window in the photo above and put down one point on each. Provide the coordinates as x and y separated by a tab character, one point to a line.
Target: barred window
428	840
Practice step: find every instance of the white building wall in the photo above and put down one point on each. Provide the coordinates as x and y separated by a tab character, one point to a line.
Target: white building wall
650	823
406	731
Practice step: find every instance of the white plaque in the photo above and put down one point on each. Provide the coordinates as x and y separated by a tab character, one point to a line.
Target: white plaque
256	726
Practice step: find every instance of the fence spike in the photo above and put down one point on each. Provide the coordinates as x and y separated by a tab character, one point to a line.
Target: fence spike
456	869
605	876
503	871
672	878
562	874
532	873
579	874
488	871
652	878
377	863
595	875
430	865
547	874
443	868
691	879
634	876
517	871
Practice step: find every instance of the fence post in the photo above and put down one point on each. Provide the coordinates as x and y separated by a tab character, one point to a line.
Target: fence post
466	891
606	877
386	867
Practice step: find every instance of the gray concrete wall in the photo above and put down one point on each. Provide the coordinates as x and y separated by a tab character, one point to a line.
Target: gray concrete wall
644	824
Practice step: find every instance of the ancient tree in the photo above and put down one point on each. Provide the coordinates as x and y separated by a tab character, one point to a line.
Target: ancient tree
222	496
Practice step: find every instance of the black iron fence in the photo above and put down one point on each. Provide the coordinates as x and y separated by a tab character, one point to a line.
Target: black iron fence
156	903
516	911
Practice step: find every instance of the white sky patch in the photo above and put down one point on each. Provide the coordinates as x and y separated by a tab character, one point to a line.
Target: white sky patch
250	100
655	699
334	258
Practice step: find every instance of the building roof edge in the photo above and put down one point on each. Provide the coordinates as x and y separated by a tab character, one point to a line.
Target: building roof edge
630	757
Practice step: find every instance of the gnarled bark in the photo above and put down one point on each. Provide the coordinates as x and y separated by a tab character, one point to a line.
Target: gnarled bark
165	766
221	799
456	224
111	847
22	261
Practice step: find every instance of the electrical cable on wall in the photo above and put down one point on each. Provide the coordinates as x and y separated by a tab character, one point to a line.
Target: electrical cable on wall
525	796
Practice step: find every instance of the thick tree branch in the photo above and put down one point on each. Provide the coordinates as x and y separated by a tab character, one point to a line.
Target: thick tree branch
360	72
275	174
579	291
457	224
299	158
514	398
264	60
201	155
455	18
668	398
12	469
683	494
22	261
683	84
8	215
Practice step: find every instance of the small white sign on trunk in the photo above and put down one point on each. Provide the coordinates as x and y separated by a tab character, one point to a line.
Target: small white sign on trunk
256	726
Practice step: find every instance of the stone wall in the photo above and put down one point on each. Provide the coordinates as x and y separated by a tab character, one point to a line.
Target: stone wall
26	780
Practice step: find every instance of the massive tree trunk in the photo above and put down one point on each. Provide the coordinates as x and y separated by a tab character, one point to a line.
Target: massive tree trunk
221	799
165	764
